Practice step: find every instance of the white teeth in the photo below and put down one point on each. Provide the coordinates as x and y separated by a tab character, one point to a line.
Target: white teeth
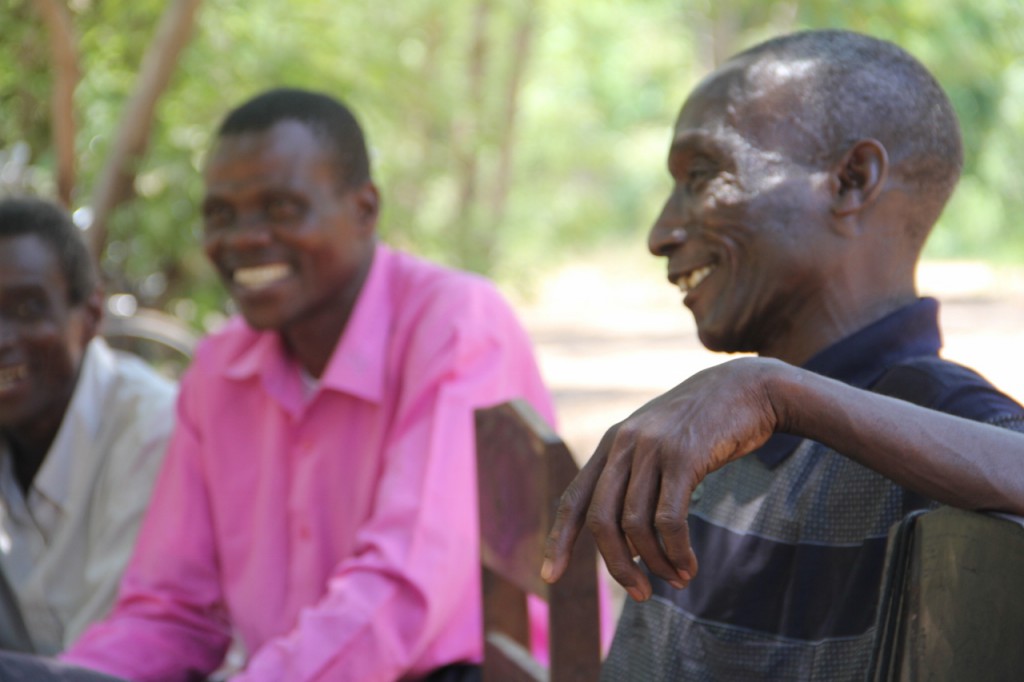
12	375
692	280
261	275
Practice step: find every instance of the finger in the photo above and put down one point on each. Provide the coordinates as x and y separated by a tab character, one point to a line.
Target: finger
604	521
670	519
637	523
570	517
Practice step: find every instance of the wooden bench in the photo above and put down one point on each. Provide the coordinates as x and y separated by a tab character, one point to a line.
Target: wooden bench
523	467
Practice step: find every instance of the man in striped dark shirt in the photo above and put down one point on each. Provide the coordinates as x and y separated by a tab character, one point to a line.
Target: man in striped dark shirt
807	173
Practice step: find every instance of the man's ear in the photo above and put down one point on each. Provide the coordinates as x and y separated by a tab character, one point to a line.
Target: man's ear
858	177
367	201
92	314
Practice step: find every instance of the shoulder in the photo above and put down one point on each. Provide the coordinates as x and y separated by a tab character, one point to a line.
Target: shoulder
416	280
131	380
449	318
136	410
427	293
949	387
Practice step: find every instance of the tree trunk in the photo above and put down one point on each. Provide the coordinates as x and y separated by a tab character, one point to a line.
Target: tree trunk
64	51
116	180
523	39
468	137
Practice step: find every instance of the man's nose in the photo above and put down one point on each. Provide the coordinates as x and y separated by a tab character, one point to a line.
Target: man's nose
248	231
668	232
663	242
665	237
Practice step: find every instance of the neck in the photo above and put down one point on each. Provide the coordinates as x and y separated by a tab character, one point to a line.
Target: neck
29	446
311	341
831	324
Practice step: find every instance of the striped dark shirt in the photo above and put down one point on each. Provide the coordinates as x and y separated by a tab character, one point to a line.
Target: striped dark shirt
792	539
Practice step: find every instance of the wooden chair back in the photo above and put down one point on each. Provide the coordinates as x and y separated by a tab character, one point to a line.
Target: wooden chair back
952	601
523	467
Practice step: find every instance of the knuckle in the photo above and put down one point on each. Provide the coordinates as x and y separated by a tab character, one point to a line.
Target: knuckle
628	431
600	525
634	523
570	502
669	523
566	507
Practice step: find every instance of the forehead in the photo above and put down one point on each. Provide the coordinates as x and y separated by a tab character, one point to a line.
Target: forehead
288	152
760	103
27	259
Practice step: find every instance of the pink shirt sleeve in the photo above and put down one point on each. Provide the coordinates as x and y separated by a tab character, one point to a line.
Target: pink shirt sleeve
168	621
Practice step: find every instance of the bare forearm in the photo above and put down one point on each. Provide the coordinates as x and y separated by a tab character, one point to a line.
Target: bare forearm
952	460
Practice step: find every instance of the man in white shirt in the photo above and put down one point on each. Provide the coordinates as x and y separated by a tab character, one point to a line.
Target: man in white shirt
82	433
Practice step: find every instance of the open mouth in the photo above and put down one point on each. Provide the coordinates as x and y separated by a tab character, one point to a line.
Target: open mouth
260	275
690	280
11	375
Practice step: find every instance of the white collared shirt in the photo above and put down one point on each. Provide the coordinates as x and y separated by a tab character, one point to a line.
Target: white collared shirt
64	545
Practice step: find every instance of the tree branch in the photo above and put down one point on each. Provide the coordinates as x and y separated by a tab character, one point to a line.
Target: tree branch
64	53
118	175
521	48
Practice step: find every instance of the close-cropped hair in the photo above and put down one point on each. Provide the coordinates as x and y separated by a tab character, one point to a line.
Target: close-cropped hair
325	116
52	224
862	87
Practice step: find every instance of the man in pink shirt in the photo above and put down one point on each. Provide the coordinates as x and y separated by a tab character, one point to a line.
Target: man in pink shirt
318	498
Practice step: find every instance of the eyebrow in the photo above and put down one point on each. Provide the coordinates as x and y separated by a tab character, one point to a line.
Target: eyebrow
26	287
23	292
694	140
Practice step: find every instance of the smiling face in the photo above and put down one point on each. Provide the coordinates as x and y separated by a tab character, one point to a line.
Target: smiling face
745	228
290	240
42	336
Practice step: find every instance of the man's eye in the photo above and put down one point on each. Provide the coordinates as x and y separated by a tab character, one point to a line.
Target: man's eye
29	309
217	216
698	174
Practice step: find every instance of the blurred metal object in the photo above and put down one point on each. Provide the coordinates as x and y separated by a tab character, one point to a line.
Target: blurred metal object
161	339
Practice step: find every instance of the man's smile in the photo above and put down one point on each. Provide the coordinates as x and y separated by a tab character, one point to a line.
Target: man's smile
11	375
692	279
260	275
688	280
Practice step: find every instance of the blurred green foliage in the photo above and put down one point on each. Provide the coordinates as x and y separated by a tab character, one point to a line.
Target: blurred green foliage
506	135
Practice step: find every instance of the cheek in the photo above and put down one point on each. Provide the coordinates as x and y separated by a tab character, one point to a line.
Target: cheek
53	354
724	193
211	247
728	202
64	364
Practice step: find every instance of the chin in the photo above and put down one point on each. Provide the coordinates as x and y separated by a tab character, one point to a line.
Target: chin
261	320
722	343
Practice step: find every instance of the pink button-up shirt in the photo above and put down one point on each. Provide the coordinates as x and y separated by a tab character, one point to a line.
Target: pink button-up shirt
335	532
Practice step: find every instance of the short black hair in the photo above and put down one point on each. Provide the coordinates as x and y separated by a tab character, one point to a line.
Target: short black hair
325	116
864	87
51	223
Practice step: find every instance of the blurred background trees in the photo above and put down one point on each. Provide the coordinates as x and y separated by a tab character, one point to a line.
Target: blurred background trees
507	134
